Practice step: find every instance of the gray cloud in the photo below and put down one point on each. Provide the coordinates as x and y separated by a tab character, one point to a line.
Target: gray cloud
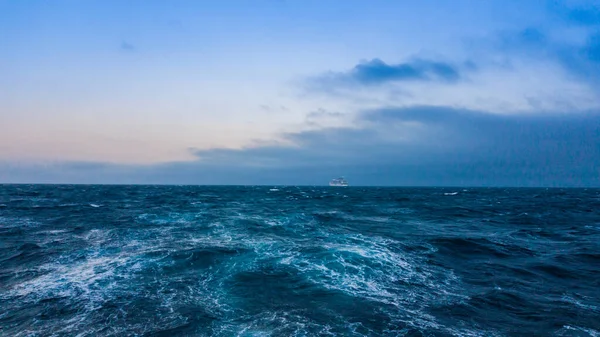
376	71
585	15
450	147
126	46
581	60
392	146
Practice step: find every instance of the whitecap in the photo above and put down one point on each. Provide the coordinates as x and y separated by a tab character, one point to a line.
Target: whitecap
52	232
12	222
366	267
591	332
578	303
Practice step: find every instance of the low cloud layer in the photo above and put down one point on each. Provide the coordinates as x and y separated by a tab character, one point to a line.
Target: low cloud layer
441	146
422	145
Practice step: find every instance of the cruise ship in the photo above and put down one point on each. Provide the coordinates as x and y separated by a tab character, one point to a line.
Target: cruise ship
338	182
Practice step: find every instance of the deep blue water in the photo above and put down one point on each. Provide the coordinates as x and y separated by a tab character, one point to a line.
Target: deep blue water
298	261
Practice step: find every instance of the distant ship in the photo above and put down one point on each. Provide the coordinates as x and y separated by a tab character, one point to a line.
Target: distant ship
338	182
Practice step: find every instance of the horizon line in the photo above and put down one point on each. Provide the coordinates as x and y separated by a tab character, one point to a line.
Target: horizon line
300	185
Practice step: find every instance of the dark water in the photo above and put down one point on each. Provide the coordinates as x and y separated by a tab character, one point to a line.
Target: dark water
298	261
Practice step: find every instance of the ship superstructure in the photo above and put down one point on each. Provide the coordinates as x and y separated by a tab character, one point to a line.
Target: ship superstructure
338	182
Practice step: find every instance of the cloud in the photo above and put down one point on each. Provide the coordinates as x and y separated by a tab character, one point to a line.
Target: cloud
573	56
439	146
571	60
376	71
583	61
321	113
584	14
325	118
273	108
591	49
424	145
395	139
516	41
526	69
126	46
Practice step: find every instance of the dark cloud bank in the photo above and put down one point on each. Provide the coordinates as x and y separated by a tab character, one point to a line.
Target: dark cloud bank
436	146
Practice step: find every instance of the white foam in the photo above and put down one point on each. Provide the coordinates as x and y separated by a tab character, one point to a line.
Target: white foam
272	323
92	281
17	222
578	303
68	279
366	267
591	332
168	218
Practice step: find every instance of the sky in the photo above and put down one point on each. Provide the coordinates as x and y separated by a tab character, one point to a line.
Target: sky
411	93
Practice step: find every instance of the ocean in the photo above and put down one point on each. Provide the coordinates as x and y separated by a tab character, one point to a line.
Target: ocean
81	260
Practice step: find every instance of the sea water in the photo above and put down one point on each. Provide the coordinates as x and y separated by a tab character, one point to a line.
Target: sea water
298	261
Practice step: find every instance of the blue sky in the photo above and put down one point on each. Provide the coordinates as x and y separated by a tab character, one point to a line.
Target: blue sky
297	92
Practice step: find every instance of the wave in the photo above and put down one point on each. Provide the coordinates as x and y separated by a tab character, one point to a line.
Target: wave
223	261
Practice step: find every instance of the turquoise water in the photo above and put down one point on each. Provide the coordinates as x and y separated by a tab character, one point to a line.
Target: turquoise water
298	261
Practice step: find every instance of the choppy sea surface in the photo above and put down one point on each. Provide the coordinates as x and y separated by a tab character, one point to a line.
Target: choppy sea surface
298	261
